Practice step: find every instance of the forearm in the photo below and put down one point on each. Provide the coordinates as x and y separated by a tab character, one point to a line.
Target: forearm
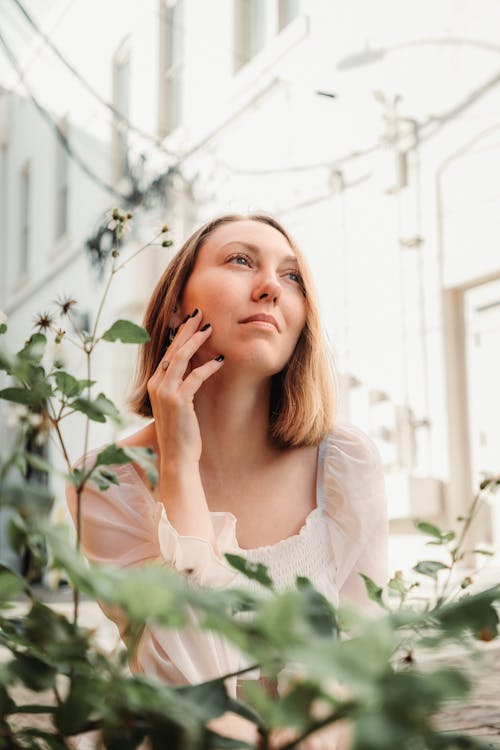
185	502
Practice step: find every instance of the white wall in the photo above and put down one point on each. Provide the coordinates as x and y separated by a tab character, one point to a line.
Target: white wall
264	140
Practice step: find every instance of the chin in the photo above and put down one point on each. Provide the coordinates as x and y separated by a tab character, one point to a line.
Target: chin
255	362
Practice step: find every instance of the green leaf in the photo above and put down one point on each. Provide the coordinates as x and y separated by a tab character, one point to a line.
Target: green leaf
104	479
112	455
126	454
146	458
67	384
429	528
254	571
127	332
211	696
476	612
487	552
6	703
60	641
3	328
28	498
37	462
83	698
98	409
84	384
17	533
397	584
317	609
20	396
34	347
75	476
7	363
430	568
221	742
448	536
33	672
373	590
11	584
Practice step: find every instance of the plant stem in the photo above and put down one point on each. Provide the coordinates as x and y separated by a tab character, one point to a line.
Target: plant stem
455	553
127	260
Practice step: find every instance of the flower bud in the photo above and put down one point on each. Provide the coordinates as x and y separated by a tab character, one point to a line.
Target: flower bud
164	229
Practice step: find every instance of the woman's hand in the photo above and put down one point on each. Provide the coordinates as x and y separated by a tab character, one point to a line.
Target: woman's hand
172	389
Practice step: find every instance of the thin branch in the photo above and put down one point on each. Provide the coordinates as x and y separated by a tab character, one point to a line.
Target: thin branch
127	260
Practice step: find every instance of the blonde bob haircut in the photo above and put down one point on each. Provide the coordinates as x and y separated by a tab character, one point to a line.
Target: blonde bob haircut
303	395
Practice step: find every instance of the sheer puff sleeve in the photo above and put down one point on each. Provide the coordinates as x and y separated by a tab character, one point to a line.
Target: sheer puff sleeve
126	526
356	507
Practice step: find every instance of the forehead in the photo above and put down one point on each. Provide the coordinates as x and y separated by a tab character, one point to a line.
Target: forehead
263	236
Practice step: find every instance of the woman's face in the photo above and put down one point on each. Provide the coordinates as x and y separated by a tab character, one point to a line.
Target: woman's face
247	285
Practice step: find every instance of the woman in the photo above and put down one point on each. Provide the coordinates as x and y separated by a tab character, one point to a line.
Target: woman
250	459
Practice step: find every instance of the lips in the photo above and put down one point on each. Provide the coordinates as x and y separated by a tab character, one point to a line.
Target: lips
263	318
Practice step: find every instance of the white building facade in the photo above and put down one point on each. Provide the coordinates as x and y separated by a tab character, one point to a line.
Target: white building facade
370	130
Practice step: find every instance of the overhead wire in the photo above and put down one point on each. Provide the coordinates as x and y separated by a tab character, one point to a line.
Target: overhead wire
90	89
59	133
178	28
37	48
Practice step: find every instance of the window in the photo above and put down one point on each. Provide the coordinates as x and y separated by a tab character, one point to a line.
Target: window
249	30
287	10
24	214
121	101
172	33
62	170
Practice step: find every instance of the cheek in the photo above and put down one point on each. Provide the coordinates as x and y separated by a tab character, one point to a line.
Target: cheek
298	315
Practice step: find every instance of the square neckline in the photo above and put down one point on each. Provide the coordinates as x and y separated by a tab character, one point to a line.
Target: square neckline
227	514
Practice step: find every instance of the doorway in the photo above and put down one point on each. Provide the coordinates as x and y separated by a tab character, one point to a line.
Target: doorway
482	350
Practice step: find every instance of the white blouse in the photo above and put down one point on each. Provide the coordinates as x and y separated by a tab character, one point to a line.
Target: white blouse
344	535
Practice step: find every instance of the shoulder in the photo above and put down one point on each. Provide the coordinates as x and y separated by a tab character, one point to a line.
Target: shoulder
110	484
348	446
353	478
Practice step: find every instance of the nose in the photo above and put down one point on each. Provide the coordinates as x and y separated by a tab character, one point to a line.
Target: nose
267	287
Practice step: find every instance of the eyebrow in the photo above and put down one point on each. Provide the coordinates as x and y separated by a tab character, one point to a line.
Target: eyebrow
256	249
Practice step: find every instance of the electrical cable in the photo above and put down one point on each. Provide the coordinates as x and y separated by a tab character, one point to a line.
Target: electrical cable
115	112
40	46
303	167
60	134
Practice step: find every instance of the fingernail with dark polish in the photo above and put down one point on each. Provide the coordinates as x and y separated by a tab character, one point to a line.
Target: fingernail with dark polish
205	327
185	319
194	313
219	358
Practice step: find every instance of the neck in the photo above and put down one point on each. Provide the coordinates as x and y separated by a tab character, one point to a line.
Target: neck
233	414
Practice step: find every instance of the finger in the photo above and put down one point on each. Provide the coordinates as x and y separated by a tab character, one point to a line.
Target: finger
186	329
189	325
179	361
197	377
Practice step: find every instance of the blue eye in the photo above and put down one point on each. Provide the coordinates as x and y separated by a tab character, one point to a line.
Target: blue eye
240	259
294	276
